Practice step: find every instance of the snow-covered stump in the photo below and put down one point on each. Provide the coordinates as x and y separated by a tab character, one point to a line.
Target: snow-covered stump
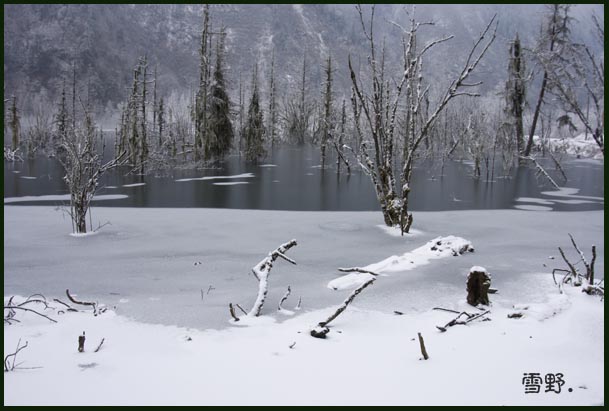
478	284
261	272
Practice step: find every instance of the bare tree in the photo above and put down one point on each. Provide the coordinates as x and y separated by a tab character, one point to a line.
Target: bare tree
83	167
378	105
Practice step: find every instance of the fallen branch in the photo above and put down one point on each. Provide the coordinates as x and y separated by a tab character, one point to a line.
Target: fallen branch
422	345
10	318
299	304
357	270
261	272
322	328
94	305
457	320
541	170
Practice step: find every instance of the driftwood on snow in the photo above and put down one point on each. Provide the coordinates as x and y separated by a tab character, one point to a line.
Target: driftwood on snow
322	328
458	321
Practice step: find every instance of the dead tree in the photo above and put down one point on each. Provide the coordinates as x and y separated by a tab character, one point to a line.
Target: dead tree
83	167
575	277
262	270
478	284
378	105
322	328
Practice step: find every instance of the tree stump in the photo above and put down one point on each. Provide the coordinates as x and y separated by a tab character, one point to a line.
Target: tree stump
478	284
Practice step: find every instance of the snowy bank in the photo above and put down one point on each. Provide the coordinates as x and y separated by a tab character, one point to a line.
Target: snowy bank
169	274
482	363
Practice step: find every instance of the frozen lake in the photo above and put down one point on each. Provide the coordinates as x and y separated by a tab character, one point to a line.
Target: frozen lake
292	179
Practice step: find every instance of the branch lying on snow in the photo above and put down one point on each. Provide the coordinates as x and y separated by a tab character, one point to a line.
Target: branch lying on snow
96	311
10	308
457	320
358	270
322	328
10	367
261	272
100	345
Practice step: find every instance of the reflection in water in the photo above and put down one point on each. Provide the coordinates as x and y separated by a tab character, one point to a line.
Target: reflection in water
291	179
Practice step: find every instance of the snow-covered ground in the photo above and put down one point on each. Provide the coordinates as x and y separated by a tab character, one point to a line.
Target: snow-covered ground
579	146
169	340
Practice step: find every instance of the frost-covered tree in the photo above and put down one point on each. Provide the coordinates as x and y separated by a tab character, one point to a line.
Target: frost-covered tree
83	169
577	80
326	124
220	133
254	127
554	37
377	102
201	103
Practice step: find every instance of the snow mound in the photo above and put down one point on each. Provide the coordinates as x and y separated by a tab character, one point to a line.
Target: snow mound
439	247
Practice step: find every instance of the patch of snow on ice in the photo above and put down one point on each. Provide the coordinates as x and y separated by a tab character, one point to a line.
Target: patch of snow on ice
28	177
61	197
267	165
245	175
572	193
533	200
533	208
232	183
79	235
396	232
349	281
135	185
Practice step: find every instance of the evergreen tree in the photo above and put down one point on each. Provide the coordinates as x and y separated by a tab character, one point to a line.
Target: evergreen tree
220	133
15	124
254	128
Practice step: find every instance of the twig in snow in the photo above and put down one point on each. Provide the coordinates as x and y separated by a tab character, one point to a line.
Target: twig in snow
285	297
211	287
241	308
293	344
231	309
298	306
457	320
65	304
422	345
10	367
445	309
100	344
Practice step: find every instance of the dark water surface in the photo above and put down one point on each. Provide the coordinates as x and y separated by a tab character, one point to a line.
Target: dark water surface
291	179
